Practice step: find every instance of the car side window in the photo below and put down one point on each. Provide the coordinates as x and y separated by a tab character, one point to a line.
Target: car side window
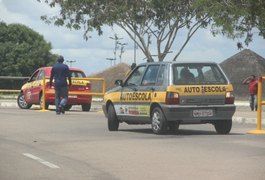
34	76
135	77
41	75
150	75
161	75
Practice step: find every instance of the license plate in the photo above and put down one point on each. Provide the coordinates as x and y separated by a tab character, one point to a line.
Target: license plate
72	96
202	113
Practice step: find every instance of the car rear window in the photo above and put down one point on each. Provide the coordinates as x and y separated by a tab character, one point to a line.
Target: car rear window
194	74
77	74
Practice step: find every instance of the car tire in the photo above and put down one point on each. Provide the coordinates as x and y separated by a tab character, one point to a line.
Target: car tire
113	122
86	107
158	121
46	104
67	107
223	126
21	102
173	126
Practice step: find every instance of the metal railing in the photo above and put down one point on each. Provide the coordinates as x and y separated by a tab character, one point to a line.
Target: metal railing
78	93
74	93
102	80
11	78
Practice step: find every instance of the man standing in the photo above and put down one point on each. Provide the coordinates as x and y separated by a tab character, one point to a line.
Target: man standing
60	72
253	90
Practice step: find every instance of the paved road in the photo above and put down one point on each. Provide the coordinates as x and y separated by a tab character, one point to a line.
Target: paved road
243	113
77	145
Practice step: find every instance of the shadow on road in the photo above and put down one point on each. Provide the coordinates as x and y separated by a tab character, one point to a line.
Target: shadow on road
180	132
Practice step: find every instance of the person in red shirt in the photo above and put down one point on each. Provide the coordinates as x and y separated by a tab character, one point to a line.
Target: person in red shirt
253	90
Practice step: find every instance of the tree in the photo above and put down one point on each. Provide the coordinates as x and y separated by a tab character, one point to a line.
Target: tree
235	18
145	21
22	50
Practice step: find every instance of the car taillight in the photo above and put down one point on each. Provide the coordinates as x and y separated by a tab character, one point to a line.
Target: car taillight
172	98
229	98
48	85
88	86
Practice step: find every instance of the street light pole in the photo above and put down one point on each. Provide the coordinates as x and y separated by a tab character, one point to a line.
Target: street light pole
121	49
117	41
71	61
134	57
111	59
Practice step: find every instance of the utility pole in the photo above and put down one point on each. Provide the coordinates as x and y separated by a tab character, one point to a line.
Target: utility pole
135	47
110	59
117	42
122	49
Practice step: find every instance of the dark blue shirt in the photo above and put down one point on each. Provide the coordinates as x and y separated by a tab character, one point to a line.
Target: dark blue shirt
60	72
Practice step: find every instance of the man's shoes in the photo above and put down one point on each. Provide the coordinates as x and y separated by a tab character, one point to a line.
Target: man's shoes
62	109
58	112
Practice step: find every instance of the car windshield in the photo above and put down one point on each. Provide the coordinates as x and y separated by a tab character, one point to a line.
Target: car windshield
196	73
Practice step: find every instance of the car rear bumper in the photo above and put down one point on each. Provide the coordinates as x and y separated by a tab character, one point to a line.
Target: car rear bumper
72	99
185	114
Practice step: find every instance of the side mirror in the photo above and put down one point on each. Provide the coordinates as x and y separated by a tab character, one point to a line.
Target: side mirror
26	79
119	83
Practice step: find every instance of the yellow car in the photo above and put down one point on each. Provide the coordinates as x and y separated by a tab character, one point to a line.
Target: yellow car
167	94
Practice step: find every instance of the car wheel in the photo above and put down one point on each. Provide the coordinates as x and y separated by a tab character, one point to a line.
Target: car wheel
113	122
86	107
46	104
67	107
21	102
223	126
173	126
158	121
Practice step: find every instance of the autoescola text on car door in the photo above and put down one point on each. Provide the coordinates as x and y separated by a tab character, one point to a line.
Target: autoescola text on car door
145	92
130	95
137	97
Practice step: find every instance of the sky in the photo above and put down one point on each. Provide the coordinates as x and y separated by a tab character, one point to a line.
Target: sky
91	55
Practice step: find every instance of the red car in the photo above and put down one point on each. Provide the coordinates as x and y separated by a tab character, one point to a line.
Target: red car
31	92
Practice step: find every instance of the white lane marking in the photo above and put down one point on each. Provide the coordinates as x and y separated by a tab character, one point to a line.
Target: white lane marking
46	163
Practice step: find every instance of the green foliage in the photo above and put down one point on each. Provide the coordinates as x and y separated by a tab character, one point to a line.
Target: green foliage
235	18
22	50
145	21
160	21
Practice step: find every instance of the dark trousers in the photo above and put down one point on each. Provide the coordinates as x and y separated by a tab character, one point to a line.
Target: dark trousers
61	97
253	101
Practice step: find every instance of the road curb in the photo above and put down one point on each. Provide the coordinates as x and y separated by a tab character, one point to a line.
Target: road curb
246	120
8	104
